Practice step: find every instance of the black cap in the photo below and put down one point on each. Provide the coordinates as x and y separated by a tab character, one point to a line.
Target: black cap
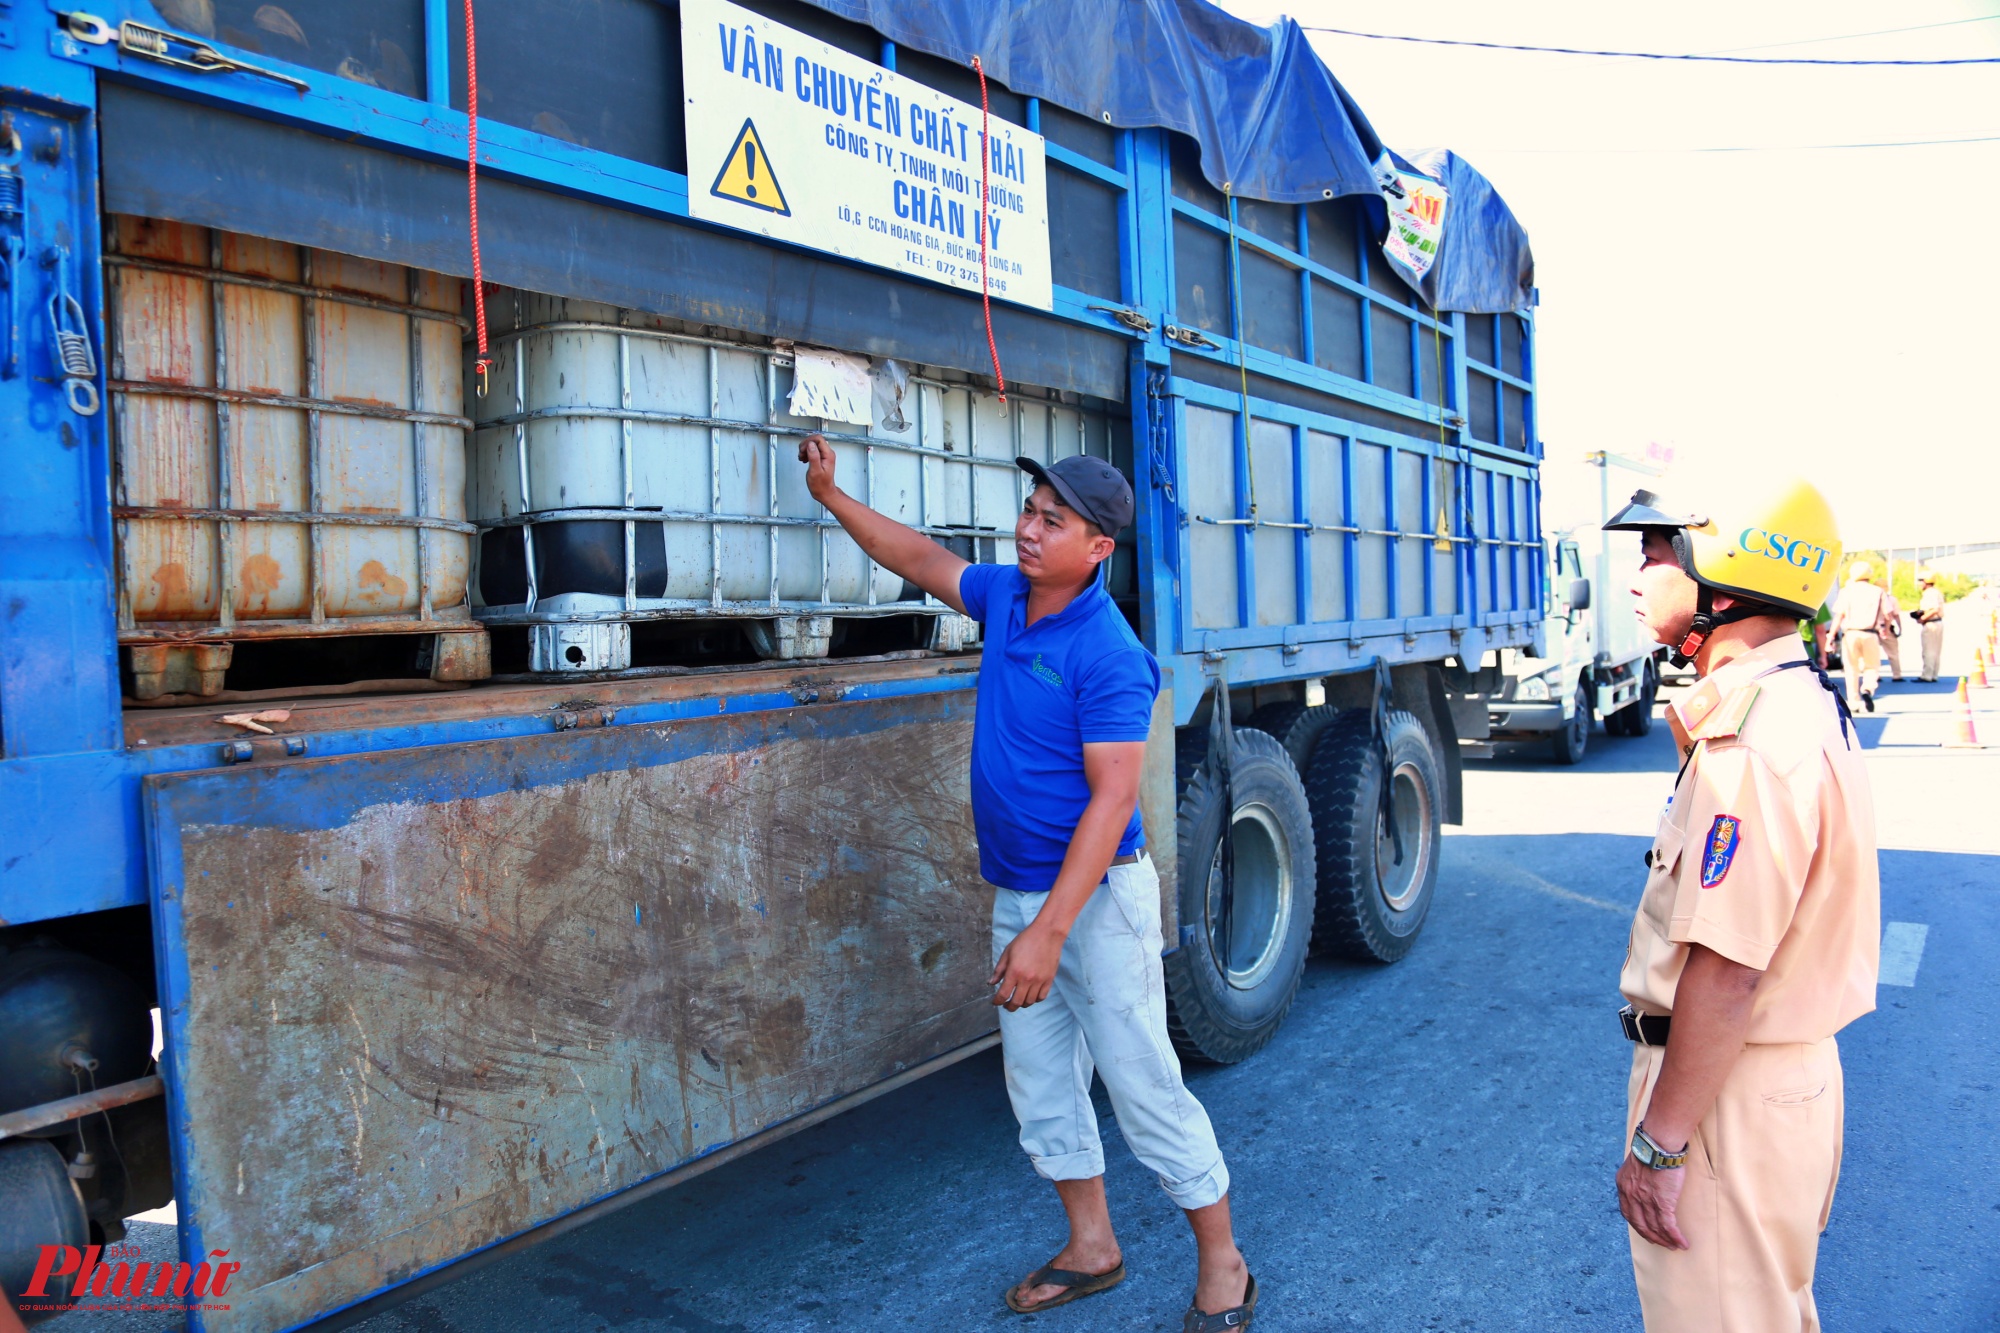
1090	486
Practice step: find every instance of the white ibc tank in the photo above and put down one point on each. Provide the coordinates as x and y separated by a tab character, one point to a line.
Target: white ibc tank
624	468
289	440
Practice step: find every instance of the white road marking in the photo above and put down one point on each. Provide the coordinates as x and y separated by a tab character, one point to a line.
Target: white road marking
1902	951
1529	879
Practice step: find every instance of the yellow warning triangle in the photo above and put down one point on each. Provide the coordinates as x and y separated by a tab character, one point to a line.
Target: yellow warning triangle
746	175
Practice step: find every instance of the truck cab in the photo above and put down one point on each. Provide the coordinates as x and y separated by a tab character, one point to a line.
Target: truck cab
1584	665
1542	693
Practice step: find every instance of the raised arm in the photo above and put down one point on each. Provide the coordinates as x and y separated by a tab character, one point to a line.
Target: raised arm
899	549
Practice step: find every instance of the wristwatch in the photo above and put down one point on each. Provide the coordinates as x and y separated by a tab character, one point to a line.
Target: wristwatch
1652	1154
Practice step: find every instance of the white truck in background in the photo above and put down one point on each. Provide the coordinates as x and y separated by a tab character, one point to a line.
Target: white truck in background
1592	660
1598	661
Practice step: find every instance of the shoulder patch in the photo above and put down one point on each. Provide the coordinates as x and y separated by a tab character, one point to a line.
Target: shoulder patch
1700	702
1724	835
1709	716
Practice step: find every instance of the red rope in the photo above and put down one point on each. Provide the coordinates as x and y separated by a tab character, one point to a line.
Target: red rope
482	362
985	220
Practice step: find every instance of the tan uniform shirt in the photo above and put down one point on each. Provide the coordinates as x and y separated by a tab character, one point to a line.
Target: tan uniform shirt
1930	606
1860	606
1766	853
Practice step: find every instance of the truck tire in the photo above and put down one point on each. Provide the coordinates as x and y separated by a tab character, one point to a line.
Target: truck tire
1370	907
39	1205
1294	726
1222	1012
1572	738
1636	718
1617	719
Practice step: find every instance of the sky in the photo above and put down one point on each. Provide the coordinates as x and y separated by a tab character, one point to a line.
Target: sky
1832	310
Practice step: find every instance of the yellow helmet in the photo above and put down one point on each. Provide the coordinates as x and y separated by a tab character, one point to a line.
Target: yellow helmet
1861	571
1774	539
1926	576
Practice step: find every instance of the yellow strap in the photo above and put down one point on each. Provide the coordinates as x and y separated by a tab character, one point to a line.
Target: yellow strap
1443	541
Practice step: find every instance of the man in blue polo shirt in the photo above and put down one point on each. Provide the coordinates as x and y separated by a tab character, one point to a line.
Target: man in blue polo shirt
1065	703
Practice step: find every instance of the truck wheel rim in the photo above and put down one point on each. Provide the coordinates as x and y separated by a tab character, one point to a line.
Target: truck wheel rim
1401	884
1261	910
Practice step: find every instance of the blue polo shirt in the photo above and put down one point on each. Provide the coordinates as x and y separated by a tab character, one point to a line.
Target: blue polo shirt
1045	690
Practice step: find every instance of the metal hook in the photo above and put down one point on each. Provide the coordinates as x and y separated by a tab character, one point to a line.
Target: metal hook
168	48
69	329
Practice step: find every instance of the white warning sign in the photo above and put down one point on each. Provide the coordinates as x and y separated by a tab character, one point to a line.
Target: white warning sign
803	142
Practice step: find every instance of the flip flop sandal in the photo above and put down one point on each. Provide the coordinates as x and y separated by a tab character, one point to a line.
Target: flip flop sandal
1078	1286
1226	1321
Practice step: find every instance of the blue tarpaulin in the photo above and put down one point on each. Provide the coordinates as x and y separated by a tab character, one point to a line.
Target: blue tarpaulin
1484	264
1272	121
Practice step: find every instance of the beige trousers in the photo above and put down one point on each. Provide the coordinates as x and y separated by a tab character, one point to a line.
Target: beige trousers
1933	648
1892	649
1760	1177
1860	664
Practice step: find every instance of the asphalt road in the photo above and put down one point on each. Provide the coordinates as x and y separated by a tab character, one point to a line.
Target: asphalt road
1425	1146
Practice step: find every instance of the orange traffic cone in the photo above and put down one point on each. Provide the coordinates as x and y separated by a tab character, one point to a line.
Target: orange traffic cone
1963	736
1978	670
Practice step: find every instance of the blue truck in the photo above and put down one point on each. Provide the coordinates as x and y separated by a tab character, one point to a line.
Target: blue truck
455	781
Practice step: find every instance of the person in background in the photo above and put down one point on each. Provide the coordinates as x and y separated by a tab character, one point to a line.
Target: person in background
1892	633
1930	619
1814	633
1858	614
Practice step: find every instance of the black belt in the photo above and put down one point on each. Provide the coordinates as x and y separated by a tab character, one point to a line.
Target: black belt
1646	1029
1129	859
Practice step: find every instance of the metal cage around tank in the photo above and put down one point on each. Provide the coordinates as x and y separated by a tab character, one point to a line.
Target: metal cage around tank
625	468
287	436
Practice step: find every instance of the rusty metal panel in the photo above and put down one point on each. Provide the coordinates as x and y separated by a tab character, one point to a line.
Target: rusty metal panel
419	1001
289	440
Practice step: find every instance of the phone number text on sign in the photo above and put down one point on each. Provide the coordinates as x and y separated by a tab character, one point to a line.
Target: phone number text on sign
802	142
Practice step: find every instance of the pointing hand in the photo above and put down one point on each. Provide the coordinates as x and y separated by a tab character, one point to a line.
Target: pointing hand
817	455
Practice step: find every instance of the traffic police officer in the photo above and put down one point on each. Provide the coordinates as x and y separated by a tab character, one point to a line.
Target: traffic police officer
1930	615
1756	938
1860	624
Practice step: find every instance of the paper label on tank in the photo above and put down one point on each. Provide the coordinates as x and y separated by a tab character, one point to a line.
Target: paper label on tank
832	386
802	142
